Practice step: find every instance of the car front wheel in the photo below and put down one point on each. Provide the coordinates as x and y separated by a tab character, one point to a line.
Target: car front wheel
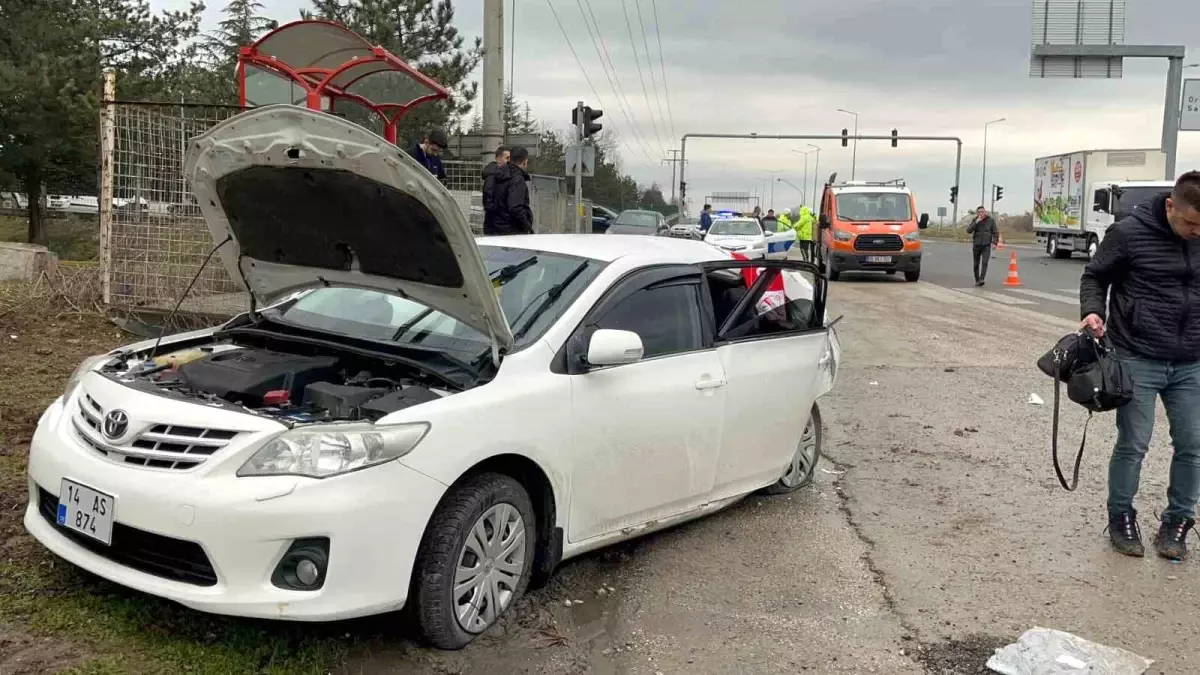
475	559
803	465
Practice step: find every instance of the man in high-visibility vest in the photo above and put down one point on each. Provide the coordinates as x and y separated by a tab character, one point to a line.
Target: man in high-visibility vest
804	229
785	222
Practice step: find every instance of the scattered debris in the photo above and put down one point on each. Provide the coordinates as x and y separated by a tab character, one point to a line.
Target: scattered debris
550	636
971	430
833	473
873	382
960	432
1045	651
567	602
1034	399
950	370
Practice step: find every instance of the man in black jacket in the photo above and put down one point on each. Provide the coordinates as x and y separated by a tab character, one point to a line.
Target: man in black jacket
984	235
511	196
1150	262
489	189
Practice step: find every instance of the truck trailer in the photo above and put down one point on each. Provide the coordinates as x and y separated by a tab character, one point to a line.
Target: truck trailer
1077	195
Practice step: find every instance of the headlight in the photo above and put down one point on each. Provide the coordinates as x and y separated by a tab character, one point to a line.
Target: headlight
89	364
915	235
842	235
330	450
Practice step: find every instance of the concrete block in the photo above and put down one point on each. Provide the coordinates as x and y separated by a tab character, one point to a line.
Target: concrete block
25	262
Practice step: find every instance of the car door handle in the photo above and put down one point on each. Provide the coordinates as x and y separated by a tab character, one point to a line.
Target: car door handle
709	383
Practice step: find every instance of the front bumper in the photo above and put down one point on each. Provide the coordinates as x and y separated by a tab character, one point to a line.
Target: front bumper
857	261
239	528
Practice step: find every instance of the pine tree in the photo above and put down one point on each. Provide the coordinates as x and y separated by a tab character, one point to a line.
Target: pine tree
422	34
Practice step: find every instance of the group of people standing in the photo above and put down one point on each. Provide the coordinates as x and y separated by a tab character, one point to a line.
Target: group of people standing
798	219
506	208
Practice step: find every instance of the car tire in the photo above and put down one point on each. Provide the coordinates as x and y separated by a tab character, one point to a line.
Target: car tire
834	273
496	504
1053	250
914	275
890	272
800	471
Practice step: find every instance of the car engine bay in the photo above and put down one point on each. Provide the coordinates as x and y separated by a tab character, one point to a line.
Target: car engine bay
294	388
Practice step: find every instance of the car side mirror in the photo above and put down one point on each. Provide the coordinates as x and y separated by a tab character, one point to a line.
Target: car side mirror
609	347
923	222
823	221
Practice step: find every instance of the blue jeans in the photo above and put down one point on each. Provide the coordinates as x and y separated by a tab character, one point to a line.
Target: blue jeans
1178	383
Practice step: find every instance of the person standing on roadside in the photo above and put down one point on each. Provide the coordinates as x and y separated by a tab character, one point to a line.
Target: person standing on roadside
769	222
489	189
1141	289
511	196
429	152
984	235
705	218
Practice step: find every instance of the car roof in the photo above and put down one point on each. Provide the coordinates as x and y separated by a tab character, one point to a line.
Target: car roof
875	189
610	247
639	211
741	219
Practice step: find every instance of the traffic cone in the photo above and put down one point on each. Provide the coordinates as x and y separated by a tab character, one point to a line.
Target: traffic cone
1014	278
999	242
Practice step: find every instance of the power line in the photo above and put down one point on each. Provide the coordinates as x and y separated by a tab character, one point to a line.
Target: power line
650	67
625	109
638	62
617	78
663	66
572	48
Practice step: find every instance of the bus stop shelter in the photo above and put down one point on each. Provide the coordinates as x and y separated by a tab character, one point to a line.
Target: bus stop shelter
323	65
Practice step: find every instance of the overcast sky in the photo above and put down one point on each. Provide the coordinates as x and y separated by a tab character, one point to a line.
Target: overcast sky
925	67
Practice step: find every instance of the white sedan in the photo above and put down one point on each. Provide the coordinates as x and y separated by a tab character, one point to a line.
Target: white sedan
410	417
745	236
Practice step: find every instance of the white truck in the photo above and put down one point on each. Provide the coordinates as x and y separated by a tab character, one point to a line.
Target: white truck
1077	195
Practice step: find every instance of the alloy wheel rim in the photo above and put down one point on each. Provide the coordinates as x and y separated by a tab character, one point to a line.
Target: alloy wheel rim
804	458
490	565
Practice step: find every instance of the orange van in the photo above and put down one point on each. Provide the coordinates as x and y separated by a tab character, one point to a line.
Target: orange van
871	227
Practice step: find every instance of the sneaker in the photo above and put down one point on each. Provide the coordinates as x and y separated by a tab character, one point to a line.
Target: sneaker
978	283
1171	540
1124	534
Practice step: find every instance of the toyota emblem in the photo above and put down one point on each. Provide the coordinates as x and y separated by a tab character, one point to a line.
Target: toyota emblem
116	423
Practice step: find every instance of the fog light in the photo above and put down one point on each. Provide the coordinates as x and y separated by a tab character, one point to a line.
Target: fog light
304	566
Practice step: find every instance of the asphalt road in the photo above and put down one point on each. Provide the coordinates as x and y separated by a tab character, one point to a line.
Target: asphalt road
1048	286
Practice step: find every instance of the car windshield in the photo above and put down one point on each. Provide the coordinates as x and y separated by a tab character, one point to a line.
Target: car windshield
735	227
638	219
871	206
528	284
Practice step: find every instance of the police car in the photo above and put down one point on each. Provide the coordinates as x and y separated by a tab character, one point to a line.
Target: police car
743	234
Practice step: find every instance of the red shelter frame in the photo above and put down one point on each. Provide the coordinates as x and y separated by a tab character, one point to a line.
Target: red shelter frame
330	62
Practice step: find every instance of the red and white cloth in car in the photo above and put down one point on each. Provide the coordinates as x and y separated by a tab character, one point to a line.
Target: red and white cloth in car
774	298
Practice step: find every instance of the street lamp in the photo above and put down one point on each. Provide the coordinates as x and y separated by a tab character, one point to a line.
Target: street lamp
983	178
793	186
816	170
854	156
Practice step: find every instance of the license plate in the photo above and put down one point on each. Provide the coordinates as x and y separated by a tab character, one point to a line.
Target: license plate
879	258
86	511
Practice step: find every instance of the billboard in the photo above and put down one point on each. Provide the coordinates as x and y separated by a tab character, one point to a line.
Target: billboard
1058	190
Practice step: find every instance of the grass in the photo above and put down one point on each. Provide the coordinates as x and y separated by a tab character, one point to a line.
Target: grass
72	236
98	628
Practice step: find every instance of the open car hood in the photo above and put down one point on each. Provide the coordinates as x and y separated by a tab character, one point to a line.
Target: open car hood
308	199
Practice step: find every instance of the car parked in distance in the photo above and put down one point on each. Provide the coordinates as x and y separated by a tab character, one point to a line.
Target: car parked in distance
636	221
602	218
412	417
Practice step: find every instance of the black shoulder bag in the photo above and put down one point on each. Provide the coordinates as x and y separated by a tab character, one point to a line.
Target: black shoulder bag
1095	380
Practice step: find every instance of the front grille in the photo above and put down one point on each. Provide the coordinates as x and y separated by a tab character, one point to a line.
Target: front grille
163	446
166	557
878	242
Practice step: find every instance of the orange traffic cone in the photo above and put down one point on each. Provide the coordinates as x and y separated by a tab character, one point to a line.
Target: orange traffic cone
1014	278
999	242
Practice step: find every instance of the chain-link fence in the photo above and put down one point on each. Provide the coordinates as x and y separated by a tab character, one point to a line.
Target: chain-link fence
153	239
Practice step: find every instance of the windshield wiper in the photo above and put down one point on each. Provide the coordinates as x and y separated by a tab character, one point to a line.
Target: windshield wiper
407	326
509	272
551	295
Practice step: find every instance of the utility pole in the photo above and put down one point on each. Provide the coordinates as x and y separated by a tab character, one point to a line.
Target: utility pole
983	177
493	76
672	160
854	156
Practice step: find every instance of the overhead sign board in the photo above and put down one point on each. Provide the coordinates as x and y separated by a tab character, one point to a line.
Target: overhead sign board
1189	119
1077	23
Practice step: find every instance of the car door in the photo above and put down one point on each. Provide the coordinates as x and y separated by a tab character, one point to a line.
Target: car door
773	346
646	434
779	241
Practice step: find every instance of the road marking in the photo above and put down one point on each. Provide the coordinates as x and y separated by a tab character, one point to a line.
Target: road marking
1070	291
996	297
1053	297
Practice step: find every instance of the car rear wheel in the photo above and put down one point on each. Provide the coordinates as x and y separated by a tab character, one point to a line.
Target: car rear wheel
800	470
913	275
475	559
834	273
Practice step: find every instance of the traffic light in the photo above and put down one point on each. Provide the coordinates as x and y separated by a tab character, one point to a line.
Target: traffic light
954	195
999	193
590	126
895	137
845	137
